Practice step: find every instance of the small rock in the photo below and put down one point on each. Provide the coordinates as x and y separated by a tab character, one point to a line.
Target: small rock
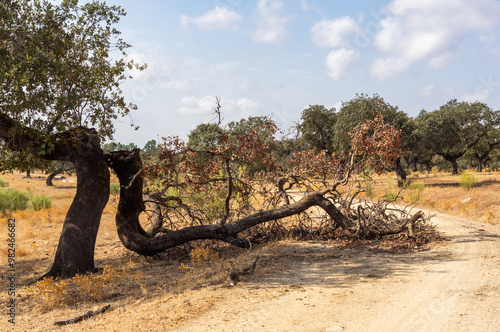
467	200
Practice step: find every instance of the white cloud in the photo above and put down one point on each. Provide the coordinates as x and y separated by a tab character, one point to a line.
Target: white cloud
271	22
427	90
332	33
196	106
205	105
219	18
385	68
440	60
430	30
339	62
176	85
481	95
306	6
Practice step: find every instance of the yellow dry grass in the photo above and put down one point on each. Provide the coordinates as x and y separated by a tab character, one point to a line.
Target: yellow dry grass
175	286
442	192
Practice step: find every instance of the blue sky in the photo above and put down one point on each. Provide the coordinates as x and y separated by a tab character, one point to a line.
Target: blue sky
275	58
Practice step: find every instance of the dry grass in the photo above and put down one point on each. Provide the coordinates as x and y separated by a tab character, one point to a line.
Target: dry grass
442	192
182	282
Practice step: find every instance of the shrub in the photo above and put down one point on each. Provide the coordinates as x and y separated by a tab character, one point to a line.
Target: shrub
3	183
201	256
12	199
368	188
414	192
467	180
392	192
39	202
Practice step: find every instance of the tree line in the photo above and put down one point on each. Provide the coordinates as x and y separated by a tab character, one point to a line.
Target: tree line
456	131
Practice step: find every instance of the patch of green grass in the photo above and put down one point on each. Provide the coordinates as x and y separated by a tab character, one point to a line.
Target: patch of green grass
39	202
467	180
12	199
3	183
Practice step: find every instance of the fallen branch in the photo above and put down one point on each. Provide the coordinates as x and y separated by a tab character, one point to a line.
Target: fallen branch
86	315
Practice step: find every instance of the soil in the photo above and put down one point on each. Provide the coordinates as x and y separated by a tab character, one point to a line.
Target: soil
454	286
451	285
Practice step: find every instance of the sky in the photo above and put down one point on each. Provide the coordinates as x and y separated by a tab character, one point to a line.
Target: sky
275	58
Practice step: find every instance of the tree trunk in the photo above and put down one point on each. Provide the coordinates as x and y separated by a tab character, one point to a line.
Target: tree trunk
413	164
81	146
28	174
479	165
400	172
75	251
51	176
454	167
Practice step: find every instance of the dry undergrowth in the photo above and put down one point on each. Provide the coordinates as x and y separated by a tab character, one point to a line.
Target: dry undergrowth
140	286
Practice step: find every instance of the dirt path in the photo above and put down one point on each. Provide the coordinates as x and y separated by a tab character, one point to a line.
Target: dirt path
453	287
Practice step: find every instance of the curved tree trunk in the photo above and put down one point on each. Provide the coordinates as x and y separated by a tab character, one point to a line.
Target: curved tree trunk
128	167
75	251
81	146
51	176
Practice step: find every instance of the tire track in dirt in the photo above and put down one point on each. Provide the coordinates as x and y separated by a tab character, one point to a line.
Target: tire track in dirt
453	287
436	298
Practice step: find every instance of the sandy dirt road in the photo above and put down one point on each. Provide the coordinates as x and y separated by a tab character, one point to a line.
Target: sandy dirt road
455	286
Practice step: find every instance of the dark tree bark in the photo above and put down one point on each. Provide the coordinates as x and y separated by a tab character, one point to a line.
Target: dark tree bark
400	172
128	167
75	251
454	167
81	146
51	176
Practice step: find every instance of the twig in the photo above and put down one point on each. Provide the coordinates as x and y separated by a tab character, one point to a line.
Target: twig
86	315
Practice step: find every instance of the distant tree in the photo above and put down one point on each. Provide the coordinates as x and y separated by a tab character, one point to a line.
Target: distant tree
150	147
58	167
209	136
362	108
456	128
482	152
316	127
117	146
205	136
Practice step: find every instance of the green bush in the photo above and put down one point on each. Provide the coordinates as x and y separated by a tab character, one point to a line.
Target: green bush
467	180
12	199
39	202
3	183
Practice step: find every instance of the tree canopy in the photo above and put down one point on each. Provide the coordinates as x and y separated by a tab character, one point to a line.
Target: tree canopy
317	127
455	128
57	71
